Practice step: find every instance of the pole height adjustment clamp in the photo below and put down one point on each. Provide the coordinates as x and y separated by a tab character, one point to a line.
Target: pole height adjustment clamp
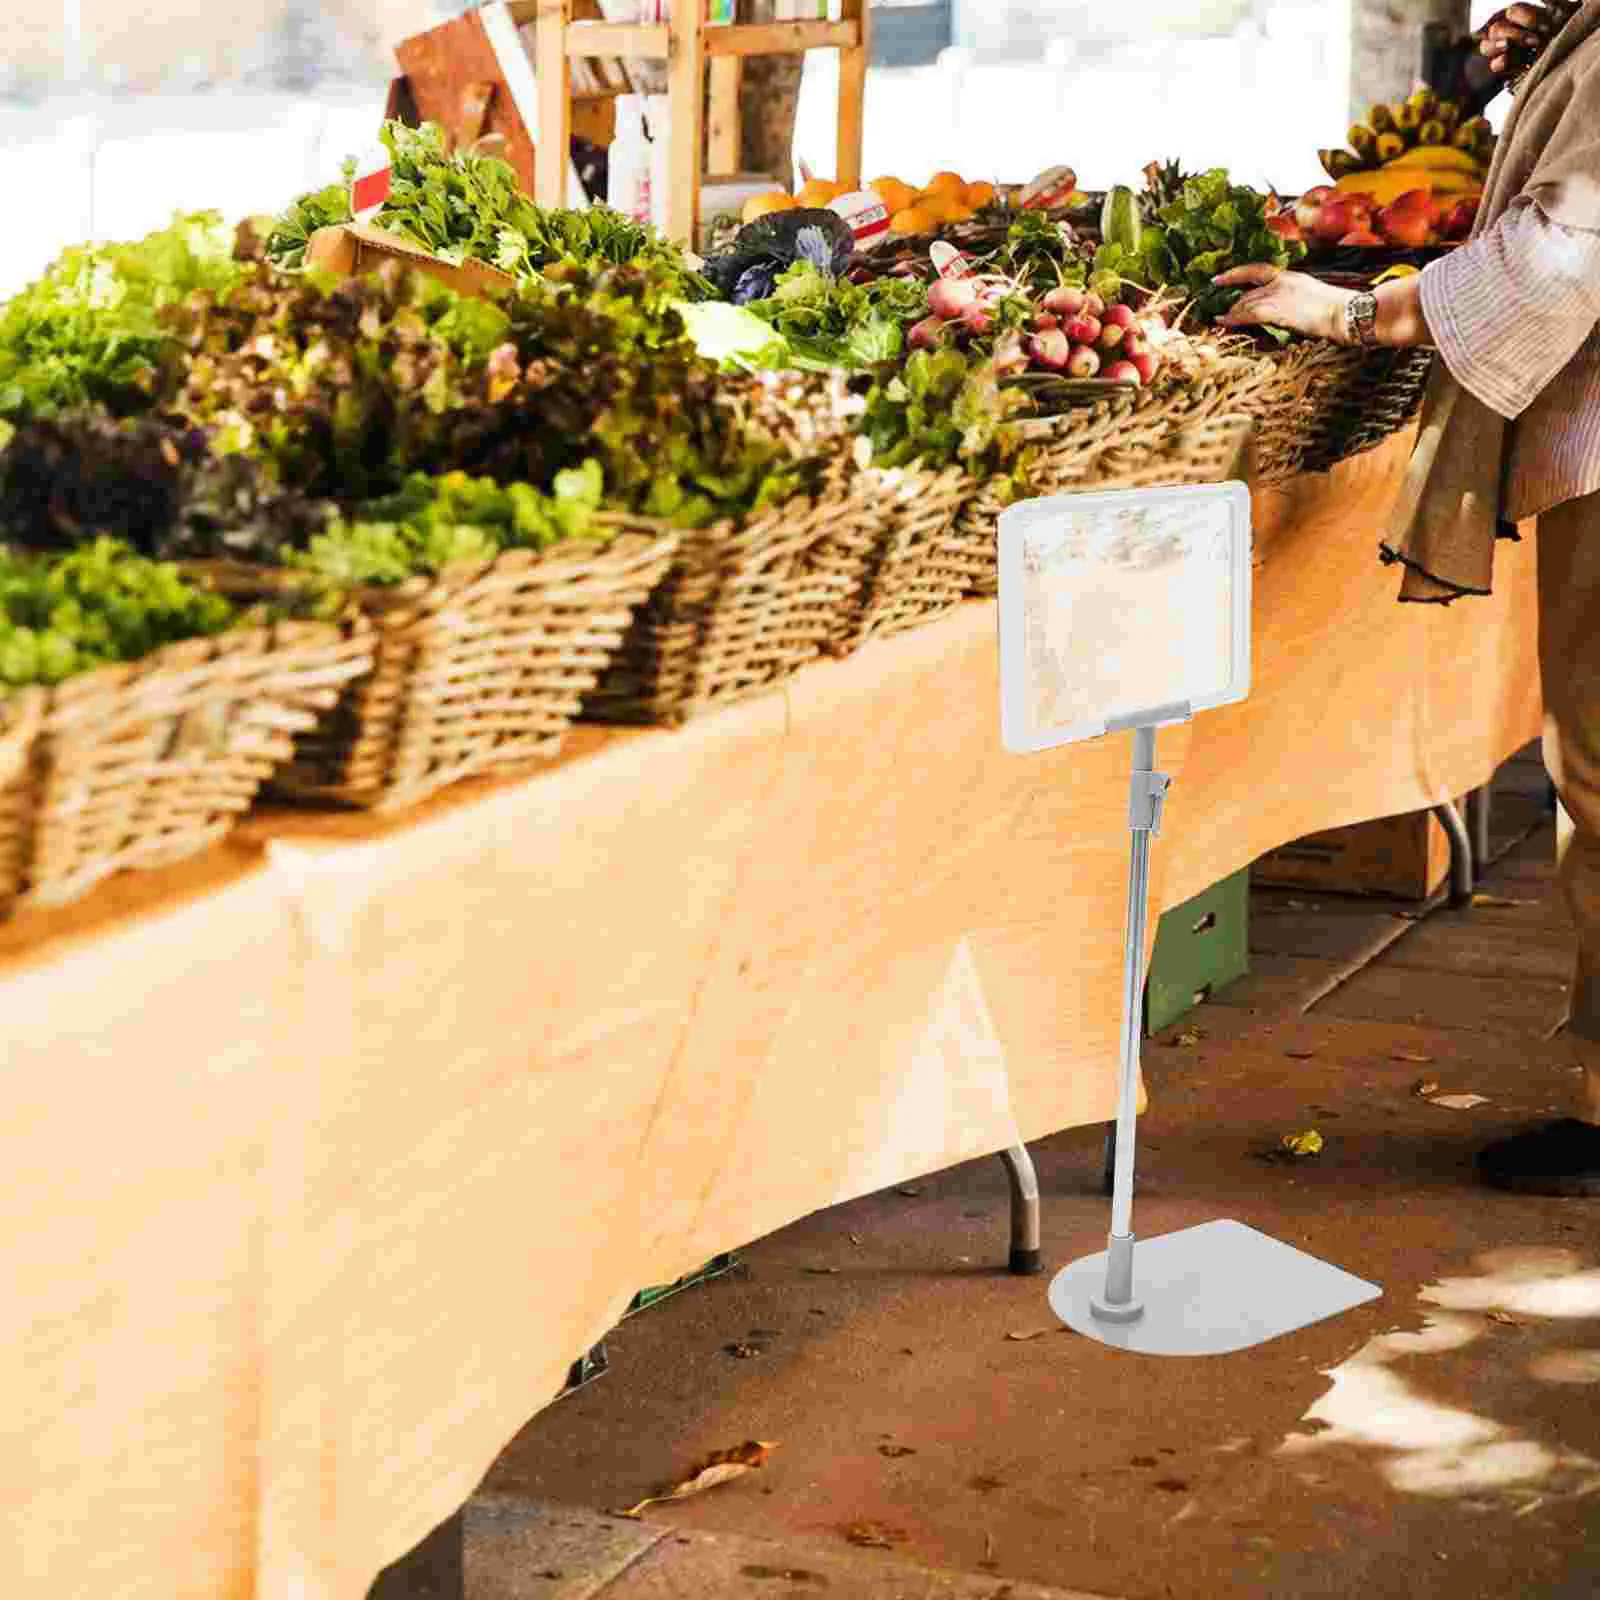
1146	798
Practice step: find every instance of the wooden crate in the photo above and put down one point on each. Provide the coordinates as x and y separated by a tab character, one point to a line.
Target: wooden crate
1407	857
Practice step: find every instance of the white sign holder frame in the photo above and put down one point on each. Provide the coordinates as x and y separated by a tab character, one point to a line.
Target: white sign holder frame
1222	1286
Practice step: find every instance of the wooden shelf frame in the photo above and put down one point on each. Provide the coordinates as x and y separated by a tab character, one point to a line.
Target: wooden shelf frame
689	47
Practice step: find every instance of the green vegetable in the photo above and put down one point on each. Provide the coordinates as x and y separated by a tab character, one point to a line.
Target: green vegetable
289	236
1120	223
63	615
433	523
829	323
939	410
1213	227
89	331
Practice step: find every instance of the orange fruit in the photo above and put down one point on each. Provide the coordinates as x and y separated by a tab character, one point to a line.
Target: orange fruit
980	195
951	181
818	193
914	219
897	196
943	205
764	205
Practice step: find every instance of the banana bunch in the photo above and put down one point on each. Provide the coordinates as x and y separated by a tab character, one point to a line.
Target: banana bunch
1421	135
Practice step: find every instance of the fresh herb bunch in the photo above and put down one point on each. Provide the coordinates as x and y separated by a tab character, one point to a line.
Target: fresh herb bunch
290	235
941	409
66	481
1214	226
89	330
63	615
433	523
828	322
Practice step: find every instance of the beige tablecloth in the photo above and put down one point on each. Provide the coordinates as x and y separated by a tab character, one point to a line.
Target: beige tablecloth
329	1154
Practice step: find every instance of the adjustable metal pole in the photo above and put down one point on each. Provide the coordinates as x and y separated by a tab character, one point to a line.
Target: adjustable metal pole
1146	793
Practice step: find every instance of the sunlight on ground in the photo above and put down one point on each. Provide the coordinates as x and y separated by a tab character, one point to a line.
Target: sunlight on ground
1436	1449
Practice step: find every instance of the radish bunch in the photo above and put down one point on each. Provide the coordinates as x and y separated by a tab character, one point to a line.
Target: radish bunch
1077	333
1070	331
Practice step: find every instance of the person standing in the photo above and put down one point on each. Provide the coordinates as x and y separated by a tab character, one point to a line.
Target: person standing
1511	430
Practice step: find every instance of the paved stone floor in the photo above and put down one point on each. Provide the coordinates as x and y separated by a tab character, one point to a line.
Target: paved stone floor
1442	1443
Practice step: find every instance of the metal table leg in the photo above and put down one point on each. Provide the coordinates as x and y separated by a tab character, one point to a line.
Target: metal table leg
1460	853
1025	1253
1479	803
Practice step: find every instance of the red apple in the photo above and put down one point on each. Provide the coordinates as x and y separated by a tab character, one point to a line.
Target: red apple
1458	223
1363	237
1409	229
1065	301
1084	362
1051	350
1123	372
1147	363
1345	213
1084	329
1284	226
1310	207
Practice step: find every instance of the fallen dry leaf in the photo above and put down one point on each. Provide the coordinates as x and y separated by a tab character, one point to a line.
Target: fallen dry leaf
910	1190
1188	1038
855	1238
1031	1333
1303	1144
1424	1087
1457	1102
822	1272
1301	1055
1412	1057
895	1452
1504	1317
1498	902
723	1467
874	1535
743	1352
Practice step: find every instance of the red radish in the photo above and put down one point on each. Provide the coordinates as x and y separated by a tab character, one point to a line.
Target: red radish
1118	316
1051	350
1065	301
1147	363
952	297
1094	306
929	334
1310	207
1083	330
1009	355
976	319
1084	362
1123	372
1111	337
1134	343
1046	323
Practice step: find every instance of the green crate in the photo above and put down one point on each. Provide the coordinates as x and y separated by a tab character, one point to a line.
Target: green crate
716	1267
1201	947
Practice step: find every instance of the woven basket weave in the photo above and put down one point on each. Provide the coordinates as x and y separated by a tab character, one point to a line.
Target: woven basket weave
1325	403
745	606
481	668
1200	433
143	764
911	576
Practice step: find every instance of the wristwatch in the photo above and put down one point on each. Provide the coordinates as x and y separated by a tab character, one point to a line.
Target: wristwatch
1361	320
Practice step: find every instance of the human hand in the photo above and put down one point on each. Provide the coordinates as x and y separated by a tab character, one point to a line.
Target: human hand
1513	39
1294	301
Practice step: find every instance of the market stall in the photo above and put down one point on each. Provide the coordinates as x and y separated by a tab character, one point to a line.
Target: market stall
368	1129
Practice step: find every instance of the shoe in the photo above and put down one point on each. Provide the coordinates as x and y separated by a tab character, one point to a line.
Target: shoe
1561	1158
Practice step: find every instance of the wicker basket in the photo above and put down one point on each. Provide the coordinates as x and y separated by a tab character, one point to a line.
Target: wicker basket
911	577
1201	433
1327	402
481	668
744	606
144	764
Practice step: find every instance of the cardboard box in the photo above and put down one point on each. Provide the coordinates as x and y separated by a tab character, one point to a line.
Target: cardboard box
1407	857
354	248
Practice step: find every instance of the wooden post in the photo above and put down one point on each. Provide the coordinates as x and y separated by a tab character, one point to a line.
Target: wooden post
853	64
553	141
686	82
724	140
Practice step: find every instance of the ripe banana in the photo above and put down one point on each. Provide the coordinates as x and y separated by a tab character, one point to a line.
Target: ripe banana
1440	158
1391	146
1339	163
1431	133
1407	118
1363	141
1426	104
1450	116
1381	119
